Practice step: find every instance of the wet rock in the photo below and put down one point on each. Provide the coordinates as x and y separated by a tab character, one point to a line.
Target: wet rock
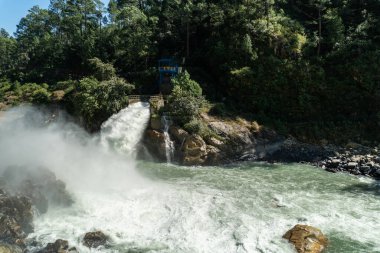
59	246
365	169
333	170
178	134
306	239
154	141
39	185
334	163
352	165
292	150
194	150
15	219
376	173
213	155
6	248
94	239
57	194
35	194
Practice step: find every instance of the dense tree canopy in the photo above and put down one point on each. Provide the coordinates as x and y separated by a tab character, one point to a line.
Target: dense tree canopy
287	62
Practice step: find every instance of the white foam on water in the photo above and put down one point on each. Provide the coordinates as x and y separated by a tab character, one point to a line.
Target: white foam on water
218	210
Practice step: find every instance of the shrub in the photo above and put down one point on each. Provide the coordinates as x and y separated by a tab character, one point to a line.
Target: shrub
40	96
184	81
67	86
183	106
4	87
33	92
199	127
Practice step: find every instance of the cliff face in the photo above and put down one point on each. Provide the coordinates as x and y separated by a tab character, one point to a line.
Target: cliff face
233	140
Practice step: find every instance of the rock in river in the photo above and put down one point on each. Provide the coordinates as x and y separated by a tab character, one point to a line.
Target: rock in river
306	239
94	239
59	246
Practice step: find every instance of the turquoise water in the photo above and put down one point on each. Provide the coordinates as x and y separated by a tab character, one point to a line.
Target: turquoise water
255	204
241	208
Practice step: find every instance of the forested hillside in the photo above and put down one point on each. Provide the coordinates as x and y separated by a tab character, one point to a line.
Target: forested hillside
309	68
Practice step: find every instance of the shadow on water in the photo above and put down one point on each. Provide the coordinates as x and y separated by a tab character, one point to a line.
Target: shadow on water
371	188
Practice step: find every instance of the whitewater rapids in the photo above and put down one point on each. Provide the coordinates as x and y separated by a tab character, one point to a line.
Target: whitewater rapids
123	131
148	207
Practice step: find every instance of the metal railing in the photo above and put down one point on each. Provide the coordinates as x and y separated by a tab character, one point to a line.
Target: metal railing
145	98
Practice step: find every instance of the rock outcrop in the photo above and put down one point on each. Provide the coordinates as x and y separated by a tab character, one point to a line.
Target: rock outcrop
15	219
94	239
306	239
40	185
154	141
59	246
291	150
228	141
235	140
6	248
28	190
194	150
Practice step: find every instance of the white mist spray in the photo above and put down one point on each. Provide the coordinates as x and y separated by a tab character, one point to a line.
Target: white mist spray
72	154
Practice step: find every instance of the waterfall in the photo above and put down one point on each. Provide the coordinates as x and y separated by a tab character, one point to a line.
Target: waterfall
123	131
169	145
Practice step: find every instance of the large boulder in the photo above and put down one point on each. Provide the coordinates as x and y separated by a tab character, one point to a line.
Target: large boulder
154	141
306	239
94	239
194	150
178	134
238	135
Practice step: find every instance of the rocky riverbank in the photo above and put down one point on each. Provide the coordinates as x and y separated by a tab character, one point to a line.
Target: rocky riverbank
25	193
355	159
236	140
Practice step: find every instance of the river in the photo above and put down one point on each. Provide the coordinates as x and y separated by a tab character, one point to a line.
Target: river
151	207
242	208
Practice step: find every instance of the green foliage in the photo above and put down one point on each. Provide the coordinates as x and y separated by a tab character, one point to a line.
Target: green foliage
291	61
4	87
40	96
183	106
196	126
102	71
95	101
187	85
66	86
32	92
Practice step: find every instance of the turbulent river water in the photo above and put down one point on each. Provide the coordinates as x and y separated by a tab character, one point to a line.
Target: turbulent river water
150	207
